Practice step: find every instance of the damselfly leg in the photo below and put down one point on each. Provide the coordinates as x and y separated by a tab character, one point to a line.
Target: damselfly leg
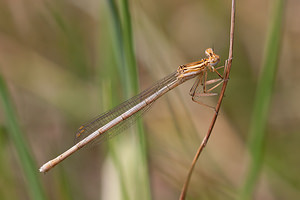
202	86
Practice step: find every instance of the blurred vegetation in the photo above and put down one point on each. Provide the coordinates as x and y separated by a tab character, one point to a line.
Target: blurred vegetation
263	98
62	63
24	155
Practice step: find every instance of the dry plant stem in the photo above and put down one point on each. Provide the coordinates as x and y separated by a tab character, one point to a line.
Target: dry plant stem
226	78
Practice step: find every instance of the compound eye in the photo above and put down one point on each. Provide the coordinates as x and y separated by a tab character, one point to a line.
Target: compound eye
209	52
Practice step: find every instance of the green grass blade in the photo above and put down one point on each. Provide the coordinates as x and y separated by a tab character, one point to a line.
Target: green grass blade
128	48
263	100
16	135
127	70
120	69
118	43
133	84
6	192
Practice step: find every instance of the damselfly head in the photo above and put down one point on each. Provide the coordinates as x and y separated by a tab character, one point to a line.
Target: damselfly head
212	57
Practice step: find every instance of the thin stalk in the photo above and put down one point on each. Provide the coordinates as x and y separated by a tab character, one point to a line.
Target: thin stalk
263	99
26	161
218	106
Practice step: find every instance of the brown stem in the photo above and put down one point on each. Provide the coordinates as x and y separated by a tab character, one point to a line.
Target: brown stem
226	78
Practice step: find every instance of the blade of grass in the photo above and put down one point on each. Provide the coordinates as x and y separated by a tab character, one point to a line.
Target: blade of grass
263	100
114	62
110	99
6	192
118	42
16	135
144	182
64	186
127	70
129	49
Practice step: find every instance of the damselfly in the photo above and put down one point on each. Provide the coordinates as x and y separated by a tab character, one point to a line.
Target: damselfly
105	125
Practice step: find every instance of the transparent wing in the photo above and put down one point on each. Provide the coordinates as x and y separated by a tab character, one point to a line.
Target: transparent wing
99	121
122	126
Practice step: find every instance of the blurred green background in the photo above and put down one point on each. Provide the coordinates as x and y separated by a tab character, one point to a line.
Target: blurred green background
61	64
